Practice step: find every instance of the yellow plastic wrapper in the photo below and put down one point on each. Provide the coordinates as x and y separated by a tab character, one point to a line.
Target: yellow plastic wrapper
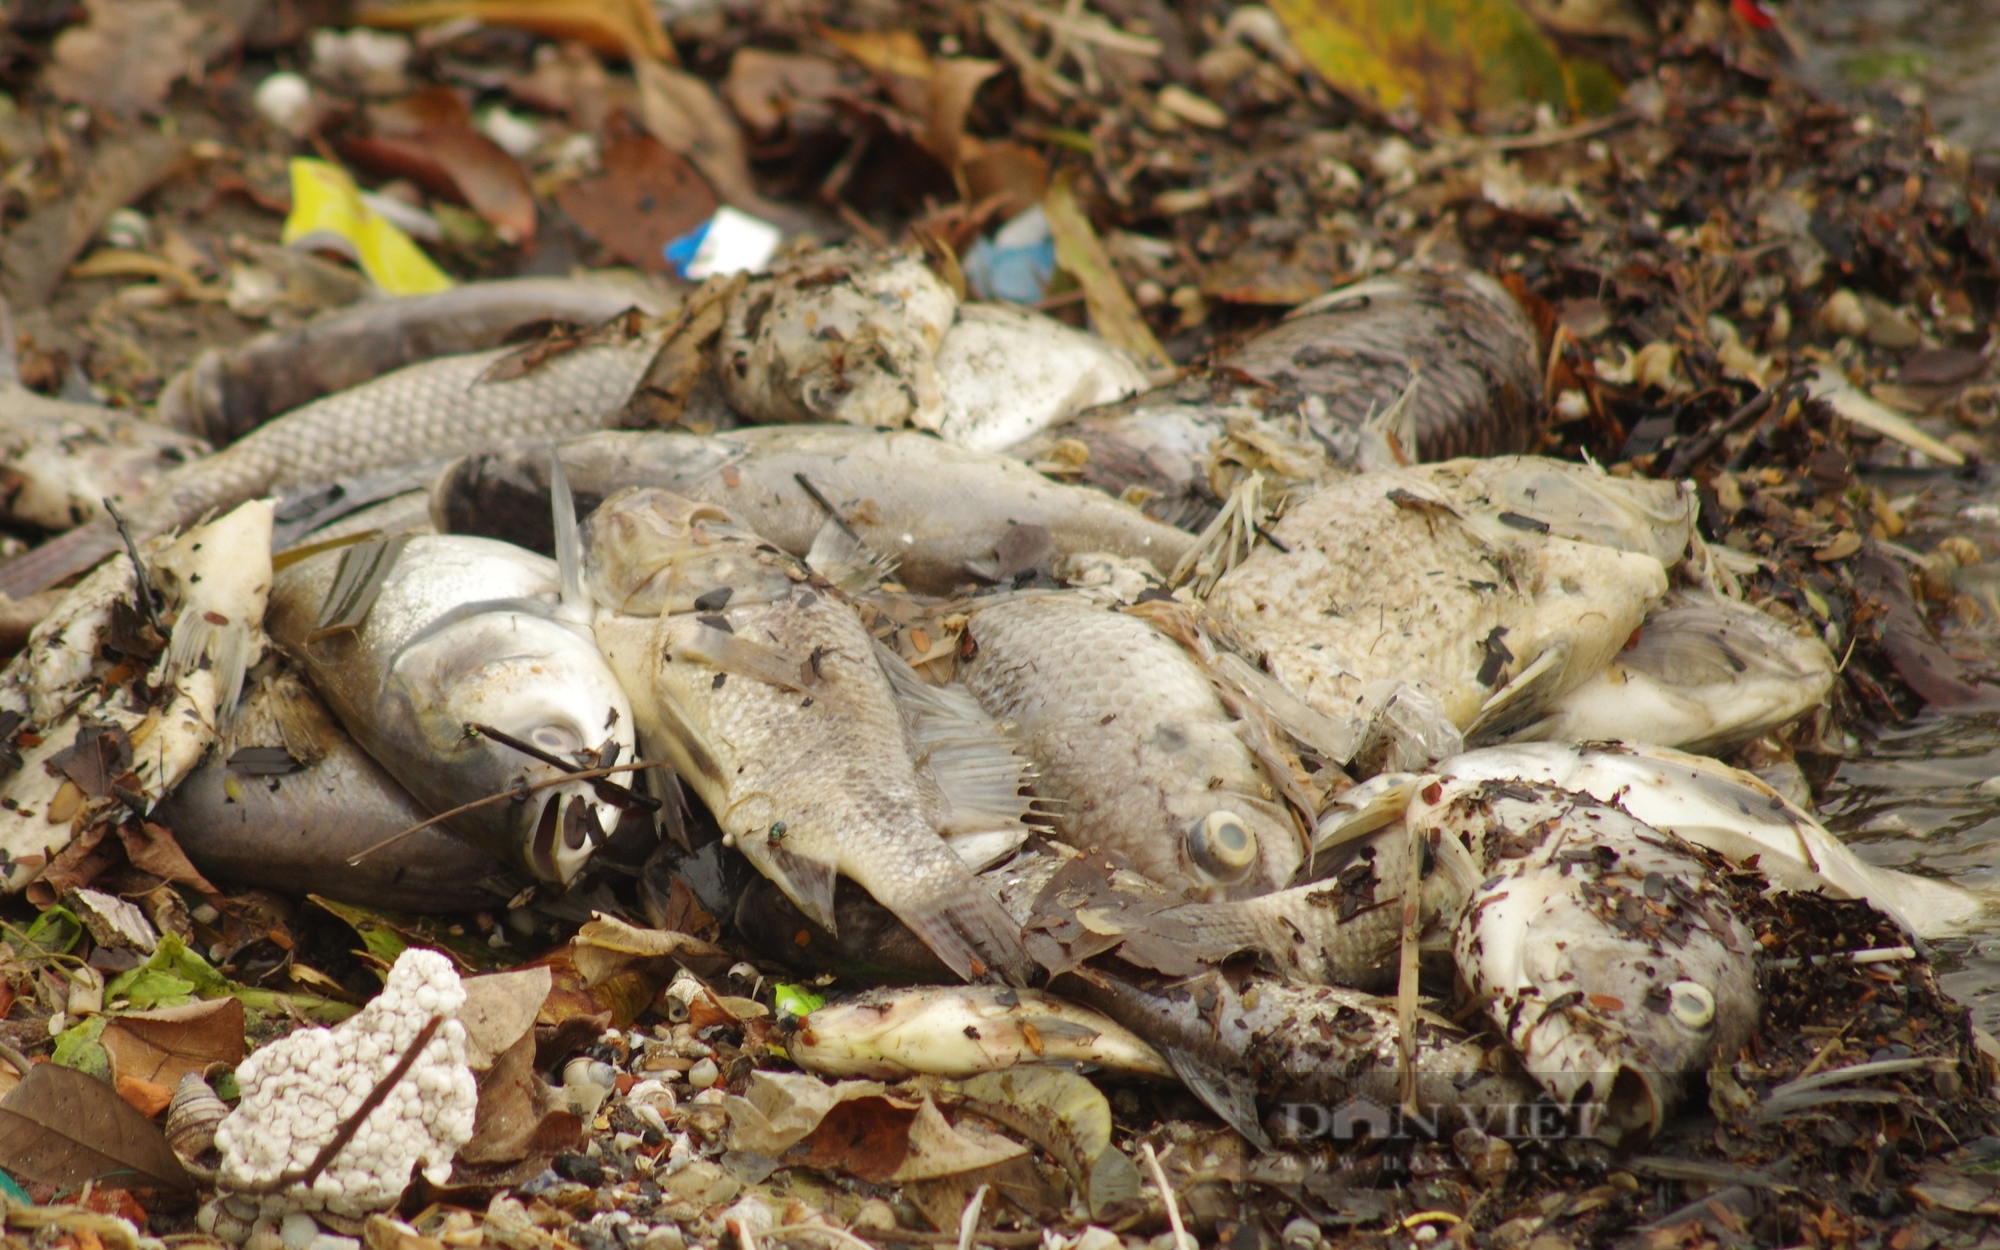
328	214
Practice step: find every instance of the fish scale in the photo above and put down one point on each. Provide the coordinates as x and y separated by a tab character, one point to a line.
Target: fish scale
434	409
1132	744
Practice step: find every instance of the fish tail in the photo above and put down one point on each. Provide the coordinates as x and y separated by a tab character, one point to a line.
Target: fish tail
58	558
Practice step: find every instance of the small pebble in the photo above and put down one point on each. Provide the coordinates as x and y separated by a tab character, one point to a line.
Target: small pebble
297	1231
703	1074
327	1241
1301	1234
664	1237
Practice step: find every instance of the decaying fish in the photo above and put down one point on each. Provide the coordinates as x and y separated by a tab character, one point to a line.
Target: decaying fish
227	392
110	726
1735	814
1005	373
59	461
464	632
770	698
1134	751
1703	673
286	796
437	408
962	1030
838	335
1265	1051
945	514
1602	947
1349	356
1332	388
1400	574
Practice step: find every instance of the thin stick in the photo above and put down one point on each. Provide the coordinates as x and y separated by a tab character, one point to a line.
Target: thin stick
805	484
138	568
1181	1240
512	792
968	1219
352	1124
529	749
1406	976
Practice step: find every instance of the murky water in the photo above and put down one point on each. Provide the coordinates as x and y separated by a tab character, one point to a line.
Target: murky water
1925	796
1945	52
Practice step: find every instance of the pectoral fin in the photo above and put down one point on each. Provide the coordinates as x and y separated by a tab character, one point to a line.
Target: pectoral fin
1522	700
807	881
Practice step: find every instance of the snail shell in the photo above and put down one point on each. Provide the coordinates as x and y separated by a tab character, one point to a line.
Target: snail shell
192	1117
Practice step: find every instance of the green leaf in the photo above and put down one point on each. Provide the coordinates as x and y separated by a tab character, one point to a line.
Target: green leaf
176	975
387	934
1439	57
797	1000
77	1047
55	932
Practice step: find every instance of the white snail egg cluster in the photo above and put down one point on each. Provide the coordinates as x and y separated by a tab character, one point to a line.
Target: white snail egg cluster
298	1090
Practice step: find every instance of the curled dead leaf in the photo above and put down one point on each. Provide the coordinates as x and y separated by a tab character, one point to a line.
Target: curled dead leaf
128	55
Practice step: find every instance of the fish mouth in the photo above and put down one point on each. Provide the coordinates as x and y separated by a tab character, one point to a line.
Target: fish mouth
571	826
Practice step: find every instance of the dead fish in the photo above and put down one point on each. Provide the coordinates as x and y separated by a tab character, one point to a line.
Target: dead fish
286	796
840	334
1703	673
227	392
1536	494
105	740
1734	814
940	511
1266	1051
1134	752
961	1031
1398	575
467	631
1328	391
1348	356
773	703
437	408
59	461
1602	947
1005	373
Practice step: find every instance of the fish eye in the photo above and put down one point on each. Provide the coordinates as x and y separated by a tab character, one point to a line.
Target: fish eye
1222	845
1691	1004
556	740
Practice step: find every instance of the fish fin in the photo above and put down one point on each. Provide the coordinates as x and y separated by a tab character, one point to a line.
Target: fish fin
962	748
1522	700
1311	727
1362	809
569	544
745	657
808	882
968	929
843	559
983	848
1231	1095
58	558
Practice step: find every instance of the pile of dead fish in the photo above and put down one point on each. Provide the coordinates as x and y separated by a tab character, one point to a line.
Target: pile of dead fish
1213	709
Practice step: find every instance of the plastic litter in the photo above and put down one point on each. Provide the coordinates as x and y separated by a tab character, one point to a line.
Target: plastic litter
729	242
329	214
1017	263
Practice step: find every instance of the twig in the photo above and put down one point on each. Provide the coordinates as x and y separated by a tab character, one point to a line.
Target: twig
1406	976
805	484
745	1239
1696	449
138	568
626	797
15	1059
511	792
1181	1240
352	1124
1879	955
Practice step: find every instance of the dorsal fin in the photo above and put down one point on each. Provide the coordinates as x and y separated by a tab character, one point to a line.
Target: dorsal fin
569	543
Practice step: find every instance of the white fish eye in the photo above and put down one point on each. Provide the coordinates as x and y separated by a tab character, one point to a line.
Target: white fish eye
556	740
1691	1004
1222	845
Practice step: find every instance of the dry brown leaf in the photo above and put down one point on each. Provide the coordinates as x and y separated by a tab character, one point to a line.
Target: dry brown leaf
518	1115
953	84
62	1128
682	112
499	1009
897	53
163	1046
567	80
771	89
646	197
126	58
151	849
428	137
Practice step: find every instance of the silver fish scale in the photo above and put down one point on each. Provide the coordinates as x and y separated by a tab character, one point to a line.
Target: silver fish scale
437	408
1131	743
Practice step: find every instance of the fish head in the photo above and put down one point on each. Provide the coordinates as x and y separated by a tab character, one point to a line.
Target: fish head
535	680
648	551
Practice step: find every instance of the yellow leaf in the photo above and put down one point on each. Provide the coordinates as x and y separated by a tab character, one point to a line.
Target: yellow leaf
1435	56
1080	253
